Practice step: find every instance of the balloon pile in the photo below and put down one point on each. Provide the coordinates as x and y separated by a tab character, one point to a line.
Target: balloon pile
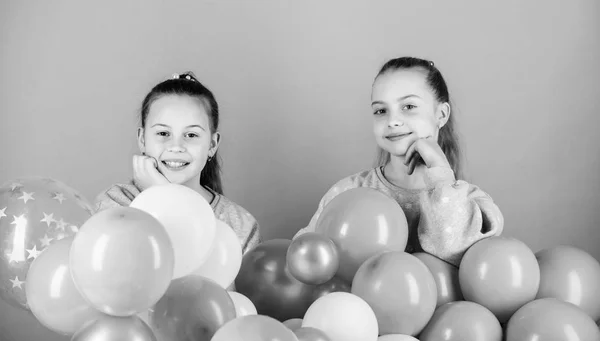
166	269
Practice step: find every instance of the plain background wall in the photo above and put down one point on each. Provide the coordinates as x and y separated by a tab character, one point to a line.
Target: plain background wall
293	81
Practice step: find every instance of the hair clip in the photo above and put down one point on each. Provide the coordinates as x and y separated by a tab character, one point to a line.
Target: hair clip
184	76
431	63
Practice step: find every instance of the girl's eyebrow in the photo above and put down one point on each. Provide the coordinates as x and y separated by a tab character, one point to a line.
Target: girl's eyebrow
399	99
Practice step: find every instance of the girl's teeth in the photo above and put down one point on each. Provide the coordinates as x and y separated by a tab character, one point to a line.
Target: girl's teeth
174	164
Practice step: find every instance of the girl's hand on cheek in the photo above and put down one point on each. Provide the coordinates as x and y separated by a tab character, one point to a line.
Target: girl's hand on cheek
427	151
145	172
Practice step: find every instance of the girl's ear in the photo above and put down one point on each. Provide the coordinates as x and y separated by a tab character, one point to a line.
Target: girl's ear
141	142
443	114
214	144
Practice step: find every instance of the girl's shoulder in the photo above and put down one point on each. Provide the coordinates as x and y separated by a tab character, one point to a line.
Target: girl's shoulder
230	212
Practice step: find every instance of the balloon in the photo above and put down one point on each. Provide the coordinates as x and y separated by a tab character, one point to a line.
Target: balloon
110	328
51	294
362	222
572	275
335	284
193	309
122	261
243	305
550	319
293	324
225	258
396	337
254	328
313	258
35	212
501	274
266	281
188	219
400	289
462	321
446	278
311	334
343	317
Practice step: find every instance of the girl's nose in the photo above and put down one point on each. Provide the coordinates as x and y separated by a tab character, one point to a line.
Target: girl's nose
176	146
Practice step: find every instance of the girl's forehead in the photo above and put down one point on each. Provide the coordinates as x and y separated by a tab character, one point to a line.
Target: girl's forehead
401	83
177	110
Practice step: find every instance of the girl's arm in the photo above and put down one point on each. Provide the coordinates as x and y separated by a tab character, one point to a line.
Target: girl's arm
455	215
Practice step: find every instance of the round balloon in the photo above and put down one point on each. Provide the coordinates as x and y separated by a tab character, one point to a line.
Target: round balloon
254	328
110	328
122	261
462	321
343	317
313	258
51	294
549	319
445	276
396	337
243	305
225	259
293	324
501	274
362	222
572	275
266	281
311	334
400	289
188	219
34	213
192	309
335	284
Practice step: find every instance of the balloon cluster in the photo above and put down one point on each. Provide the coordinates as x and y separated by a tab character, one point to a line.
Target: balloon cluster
165	269
502	290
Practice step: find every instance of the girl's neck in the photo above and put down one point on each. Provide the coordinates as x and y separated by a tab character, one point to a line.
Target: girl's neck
397	173
196	186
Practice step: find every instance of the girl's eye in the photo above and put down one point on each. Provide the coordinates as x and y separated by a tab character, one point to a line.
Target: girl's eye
409	107
192	135
379	112
162	133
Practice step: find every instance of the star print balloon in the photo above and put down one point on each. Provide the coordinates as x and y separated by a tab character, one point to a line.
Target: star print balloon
34	213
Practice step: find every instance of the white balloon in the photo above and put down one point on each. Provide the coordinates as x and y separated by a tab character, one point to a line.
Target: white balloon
188	219
243	305
343	317
225	260
396	337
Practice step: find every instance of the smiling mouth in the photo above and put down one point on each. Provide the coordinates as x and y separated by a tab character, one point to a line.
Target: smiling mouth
396	137
175	165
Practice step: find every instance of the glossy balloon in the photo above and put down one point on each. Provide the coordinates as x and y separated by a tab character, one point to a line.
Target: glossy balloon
445	276
110	328
572	275
396	337
549	319
400	289
254	328
311	334
243	305
362	222
343	317
501	274
192	309
51	294
462	321
225	259
35	212
293	324
312	258
266	281
188	219
335	284
122	261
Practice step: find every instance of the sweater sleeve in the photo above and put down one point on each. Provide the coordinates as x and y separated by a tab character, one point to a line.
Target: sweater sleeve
115	196
454	216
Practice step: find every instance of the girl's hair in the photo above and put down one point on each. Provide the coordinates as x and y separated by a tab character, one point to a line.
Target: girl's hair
186	84
448	137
